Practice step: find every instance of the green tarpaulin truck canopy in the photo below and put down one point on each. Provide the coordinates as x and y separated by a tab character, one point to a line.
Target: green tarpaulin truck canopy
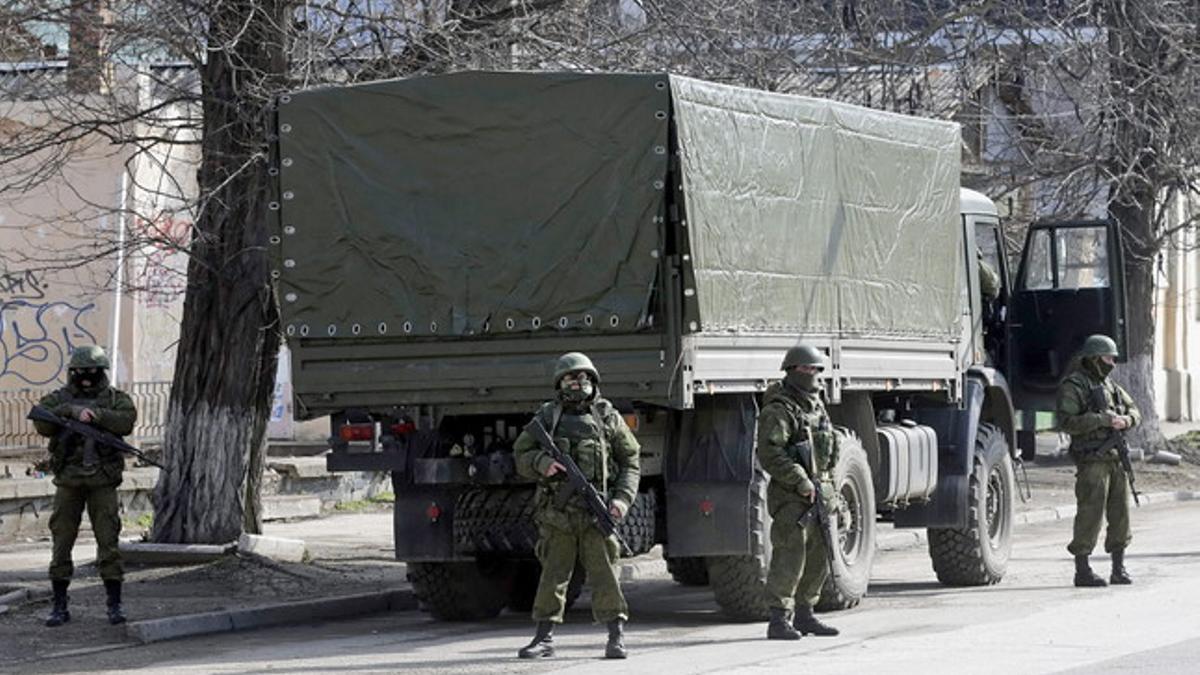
483	203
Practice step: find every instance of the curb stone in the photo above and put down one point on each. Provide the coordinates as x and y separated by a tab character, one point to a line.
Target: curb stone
170	628
902	539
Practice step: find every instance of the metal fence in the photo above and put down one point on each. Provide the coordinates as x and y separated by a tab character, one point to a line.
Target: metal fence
16	432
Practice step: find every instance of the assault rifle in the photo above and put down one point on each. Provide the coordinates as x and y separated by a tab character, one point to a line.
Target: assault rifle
93	435
1098	401
578	484
817	512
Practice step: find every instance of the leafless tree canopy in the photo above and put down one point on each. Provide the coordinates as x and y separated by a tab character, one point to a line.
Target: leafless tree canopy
1068	107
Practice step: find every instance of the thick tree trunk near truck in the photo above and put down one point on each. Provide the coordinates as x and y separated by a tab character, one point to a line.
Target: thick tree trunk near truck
229	336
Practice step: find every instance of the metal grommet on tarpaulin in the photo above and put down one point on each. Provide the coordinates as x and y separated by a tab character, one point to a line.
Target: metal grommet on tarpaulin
563	322
289	263
660	114
304	330
509	323
291	329
289	229
274	206
432	326
285	98
614	320
274	274
356	329
536	322
285	128
275	239
286	161
332	330
290	297
587	319
660	85
382	328
289	195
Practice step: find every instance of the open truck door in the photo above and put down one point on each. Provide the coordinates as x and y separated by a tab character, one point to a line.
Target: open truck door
1070	284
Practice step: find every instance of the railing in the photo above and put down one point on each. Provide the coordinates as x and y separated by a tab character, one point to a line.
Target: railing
16	432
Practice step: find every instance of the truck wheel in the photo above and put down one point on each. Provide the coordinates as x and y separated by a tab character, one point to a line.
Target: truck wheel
688	570
978	555
854	534
738	581
495	520
637	528
463	591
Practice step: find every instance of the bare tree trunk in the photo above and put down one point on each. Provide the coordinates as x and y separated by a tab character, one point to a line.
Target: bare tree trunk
229	338
1134	57
1137	375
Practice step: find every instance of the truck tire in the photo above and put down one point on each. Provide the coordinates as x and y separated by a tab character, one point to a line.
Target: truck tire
738	581
463	591
978	554
855	528
688	570
637	527
495	521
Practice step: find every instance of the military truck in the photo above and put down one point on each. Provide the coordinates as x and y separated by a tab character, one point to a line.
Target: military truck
441	240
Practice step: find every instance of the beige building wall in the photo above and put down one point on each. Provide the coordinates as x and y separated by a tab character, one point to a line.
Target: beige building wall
1177	319
96	253
58	277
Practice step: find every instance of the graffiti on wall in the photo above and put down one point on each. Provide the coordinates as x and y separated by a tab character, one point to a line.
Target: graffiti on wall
22	285
36	339
162	274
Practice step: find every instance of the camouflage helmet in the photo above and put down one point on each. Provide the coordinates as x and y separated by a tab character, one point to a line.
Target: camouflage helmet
572	361
803	355
1098	345
91	356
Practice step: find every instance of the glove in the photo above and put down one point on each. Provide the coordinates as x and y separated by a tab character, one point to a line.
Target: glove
805	488
618	508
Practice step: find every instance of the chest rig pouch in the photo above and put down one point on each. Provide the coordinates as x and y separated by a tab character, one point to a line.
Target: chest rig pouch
586	441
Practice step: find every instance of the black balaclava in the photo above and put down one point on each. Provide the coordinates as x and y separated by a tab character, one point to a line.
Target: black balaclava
1096	366
88	381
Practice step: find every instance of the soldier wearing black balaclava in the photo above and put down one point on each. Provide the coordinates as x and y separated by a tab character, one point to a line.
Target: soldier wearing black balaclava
86	475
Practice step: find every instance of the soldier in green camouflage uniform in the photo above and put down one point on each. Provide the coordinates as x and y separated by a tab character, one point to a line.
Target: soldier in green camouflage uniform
589	429
1091	408
794	432
86	476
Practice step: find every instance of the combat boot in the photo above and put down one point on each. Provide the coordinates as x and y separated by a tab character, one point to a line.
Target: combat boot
808	624
58	611
543	642
615	649
1084	576
1120	576
780	627
113	588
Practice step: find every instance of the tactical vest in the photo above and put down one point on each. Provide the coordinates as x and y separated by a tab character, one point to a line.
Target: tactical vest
583	436
814	432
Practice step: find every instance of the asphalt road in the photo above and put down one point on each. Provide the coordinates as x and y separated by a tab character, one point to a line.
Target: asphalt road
1033	622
